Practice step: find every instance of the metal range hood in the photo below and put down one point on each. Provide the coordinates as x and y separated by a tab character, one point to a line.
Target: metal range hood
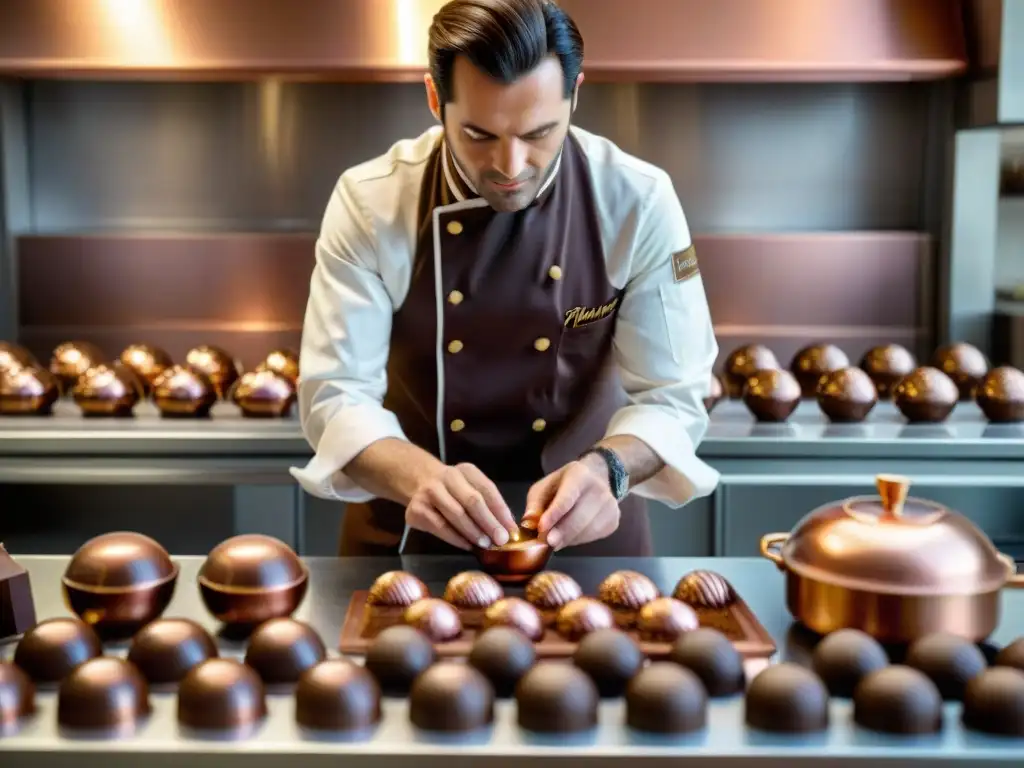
385	40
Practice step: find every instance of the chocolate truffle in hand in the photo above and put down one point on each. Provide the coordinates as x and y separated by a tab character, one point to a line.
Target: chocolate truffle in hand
1001	395
898	699
435	618
813	362
664	619
666	698
397	656
741	364
708	654
949	661
516	613
550	590
503	655
846	396
994	702
1012	655
626	592
787	698
451	697
925	396
396	589
611	658
280	650
845	657
704	589
887	365
53	648
964	364
556	698
583	616
473	590
772	395
337	695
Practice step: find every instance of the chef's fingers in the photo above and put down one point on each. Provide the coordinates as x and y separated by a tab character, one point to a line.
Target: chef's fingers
472	501
422	518
567	531
441	499
601	526
539	497
570	487
492	496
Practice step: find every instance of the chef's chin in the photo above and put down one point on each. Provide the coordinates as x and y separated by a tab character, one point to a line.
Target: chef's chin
510	202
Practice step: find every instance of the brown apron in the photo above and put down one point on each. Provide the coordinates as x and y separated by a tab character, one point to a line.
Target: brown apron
528	315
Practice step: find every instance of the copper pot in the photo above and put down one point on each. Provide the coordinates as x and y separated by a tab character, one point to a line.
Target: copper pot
222	369
27	391
72	359
519	559
895	567
147	362
283	362
107	390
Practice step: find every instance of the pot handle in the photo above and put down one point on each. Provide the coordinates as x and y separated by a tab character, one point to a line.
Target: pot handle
770	542
1013	579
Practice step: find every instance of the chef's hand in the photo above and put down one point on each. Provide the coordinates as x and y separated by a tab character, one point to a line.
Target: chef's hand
461	506
573	505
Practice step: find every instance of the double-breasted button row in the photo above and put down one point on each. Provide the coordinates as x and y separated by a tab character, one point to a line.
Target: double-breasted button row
457	425
543	344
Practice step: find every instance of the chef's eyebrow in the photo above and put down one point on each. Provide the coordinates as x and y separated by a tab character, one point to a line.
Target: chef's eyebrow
539	129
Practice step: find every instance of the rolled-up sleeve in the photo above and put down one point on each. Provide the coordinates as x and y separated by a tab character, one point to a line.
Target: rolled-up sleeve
665	348
345	341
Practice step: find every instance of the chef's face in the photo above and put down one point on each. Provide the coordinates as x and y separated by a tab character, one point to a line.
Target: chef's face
506	138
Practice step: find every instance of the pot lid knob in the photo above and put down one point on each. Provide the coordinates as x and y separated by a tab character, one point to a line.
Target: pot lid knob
893	491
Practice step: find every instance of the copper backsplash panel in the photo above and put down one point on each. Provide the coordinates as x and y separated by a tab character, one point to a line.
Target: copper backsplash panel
248	292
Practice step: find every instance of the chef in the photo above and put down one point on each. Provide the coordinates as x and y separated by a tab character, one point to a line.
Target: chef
506	321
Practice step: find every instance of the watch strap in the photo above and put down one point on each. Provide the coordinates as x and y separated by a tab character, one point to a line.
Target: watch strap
618	477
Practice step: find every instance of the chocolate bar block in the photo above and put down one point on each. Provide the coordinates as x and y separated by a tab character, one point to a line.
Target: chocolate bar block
17	609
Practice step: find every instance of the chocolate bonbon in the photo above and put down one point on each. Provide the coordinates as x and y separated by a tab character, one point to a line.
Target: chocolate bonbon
516	613
898	699
451	697
167	649
53	648
994	702
397	656
664	619
107	694
949	661
437	619
549	591
554	697
280	650
708	654
583	616
787	698
666	698
704	589
396	589
625	593
221	695
473	590
843	658
337	695
503	655
611	658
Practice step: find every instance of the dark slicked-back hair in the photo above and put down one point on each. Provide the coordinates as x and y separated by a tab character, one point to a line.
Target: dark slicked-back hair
506	39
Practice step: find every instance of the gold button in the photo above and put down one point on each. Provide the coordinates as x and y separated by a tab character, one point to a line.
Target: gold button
539	425
542	344
454	228
555	273
455	297
455	346
457	425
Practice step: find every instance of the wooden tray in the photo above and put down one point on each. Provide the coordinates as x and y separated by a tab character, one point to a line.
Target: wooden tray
736	622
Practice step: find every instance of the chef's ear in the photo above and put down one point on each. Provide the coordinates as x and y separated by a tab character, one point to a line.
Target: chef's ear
576	91
432	101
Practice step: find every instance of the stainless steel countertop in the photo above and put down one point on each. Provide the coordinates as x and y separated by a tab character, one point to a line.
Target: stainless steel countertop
725	742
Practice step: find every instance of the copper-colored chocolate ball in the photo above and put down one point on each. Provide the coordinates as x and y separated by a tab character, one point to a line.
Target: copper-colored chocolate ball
927	395
812	362
473	590
283	362
71	359
15	355
664	619
280	650
583	616
396	589
339	696
103	694
550	590
772	395
1001	395
147	362
847	395
516	613
27	391
716	393
107	390
626	592
221	694
54	647
183	392
437	619
222	369
964	364
167	649
741	365
704	589
264	394
886	365
17	697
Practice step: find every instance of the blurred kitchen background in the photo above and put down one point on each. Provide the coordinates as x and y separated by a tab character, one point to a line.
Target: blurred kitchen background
848	168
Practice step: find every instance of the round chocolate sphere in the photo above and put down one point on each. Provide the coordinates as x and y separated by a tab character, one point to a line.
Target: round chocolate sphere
772	395
280	650
165	650
787	698
437	619
221	694
846	396
516	613
741	364
964	364
994	702
715	393
843	658
27	391
104	694
556	698
887	365
54	648
549	591
71	359
451	697
1012	655
396	589
664	619
337	695
704	589
105	390
626	592
183	392
503	655
17	697
283	362
146	362
713	658
581	617
813	362
473	590
1001	395
264	394
666	698
217	365
949	661
15	356
926	395
611	658
397	656
898	699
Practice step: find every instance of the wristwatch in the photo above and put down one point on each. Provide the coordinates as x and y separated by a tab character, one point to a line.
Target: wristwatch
618	477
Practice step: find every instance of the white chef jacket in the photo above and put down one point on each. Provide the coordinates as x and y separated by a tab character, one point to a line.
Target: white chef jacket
663	342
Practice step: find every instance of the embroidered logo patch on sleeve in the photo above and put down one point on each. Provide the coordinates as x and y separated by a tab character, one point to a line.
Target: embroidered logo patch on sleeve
684	264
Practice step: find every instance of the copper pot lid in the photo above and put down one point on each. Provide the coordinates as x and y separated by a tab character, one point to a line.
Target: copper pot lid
892	543
123	560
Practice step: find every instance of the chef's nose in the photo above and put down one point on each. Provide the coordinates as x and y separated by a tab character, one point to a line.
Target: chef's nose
510	158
